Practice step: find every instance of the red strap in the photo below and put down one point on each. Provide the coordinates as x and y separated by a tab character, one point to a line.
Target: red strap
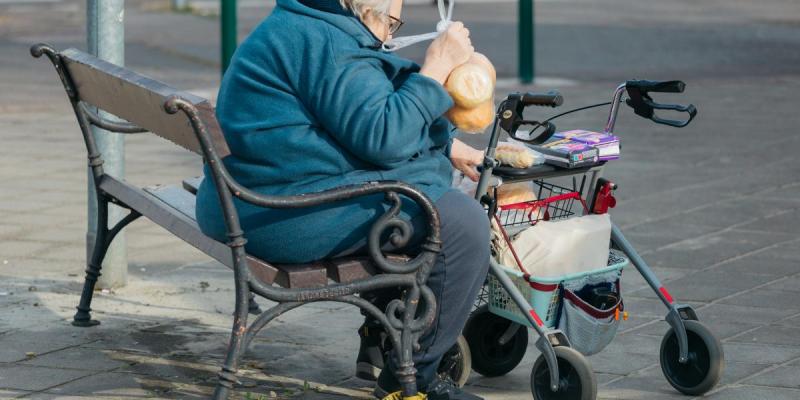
510	247
588	308
542	287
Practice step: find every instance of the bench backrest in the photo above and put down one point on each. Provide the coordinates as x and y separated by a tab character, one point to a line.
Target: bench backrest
139	100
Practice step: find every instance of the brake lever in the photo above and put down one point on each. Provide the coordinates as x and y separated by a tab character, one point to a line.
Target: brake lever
690	109
549	130
644	106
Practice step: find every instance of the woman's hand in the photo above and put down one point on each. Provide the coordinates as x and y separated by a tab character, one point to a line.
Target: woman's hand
465	159
451	49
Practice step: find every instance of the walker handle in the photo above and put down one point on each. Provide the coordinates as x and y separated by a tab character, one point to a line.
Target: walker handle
644	106
550	99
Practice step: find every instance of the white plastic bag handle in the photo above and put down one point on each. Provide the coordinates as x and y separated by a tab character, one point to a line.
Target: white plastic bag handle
445	16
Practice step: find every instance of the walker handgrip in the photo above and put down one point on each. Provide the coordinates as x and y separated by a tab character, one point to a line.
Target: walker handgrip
550	99
645	86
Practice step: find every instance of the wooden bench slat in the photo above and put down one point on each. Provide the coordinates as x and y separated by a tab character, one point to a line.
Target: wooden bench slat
180	225
290	276
140	100
192	185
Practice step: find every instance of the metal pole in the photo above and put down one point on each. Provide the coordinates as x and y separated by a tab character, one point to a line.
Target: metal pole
228	30
106	40
526	41
180	5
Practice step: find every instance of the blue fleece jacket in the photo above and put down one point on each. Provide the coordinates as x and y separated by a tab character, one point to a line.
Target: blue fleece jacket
310	103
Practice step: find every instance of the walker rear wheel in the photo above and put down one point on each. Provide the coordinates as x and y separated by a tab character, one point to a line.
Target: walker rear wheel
483	332
576	378
703	369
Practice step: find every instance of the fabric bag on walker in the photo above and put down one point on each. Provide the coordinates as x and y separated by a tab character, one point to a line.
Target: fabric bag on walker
563	247
590	310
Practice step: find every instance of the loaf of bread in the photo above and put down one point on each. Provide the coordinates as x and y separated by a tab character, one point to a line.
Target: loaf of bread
480	59
474	120
471	85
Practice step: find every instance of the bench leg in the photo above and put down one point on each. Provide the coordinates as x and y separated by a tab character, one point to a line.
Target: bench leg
102	241
227	376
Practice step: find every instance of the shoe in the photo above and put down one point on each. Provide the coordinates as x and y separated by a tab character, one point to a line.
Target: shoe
440	389
446	389
369	362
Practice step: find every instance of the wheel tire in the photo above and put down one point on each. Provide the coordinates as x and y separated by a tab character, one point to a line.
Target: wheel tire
456	364
706	360
576	378
489	358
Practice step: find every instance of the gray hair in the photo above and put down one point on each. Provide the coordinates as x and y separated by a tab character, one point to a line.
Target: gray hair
359	7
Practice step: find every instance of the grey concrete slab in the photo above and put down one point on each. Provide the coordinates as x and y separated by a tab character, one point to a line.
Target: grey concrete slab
124	386
721	312
787	221
755	392
770	334
31	378
21	344
76	358
649	236
638	387
766	298
788	192
720	329
634	285
787	251
714	248
17	249
12	393
785	376
711	285
762	263
759	353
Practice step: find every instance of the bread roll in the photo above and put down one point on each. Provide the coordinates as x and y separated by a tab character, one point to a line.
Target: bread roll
473	120
480	59
514	156
512	193
470	84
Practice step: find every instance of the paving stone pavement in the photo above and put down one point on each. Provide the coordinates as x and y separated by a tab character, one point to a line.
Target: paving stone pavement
714	208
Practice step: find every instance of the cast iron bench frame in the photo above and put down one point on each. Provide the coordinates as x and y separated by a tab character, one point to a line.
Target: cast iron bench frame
146	105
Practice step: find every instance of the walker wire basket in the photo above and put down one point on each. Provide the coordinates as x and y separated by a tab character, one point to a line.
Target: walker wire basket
551	202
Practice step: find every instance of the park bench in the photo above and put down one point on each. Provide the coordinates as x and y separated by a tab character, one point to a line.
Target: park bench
145	105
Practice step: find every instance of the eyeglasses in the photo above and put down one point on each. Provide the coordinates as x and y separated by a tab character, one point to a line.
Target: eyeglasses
394	24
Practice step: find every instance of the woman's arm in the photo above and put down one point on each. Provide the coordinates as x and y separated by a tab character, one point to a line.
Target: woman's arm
358	105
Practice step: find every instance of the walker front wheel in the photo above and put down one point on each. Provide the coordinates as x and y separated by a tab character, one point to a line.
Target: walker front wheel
703	369
576	380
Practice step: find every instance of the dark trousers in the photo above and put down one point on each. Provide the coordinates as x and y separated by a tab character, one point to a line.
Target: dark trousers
455	279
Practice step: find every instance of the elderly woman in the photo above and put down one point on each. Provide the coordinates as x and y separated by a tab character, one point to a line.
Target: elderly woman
311	102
